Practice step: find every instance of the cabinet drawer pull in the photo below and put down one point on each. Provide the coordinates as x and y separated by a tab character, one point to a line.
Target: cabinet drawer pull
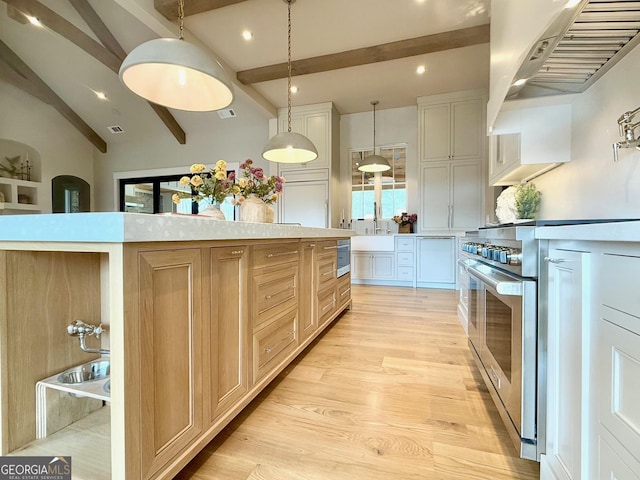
333	302
554	260
312	245
328	273
331	248
267	350
345	292
282	254
290	287
237	252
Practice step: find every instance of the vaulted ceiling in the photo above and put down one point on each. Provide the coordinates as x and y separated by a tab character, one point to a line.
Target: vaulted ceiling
345	51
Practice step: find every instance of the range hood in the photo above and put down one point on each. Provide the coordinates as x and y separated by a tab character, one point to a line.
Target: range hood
578	48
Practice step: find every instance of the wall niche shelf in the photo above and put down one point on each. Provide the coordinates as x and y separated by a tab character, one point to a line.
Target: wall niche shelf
19	195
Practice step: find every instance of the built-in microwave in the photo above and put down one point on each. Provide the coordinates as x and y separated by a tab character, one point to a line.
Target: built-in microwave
344	257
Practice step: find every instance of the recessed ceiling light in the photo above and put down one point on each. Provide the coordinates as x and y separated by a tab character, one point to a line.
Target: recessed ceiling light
519	82
247	35
421	69
294	89
34	21
572	3
101	95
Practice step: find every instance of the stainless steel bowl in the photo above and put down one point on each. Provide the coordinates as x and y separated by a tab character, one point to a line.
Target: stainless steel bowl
86	372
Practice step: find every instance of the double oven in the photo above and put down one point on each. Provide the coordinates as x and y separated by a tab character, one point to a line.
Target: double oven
499	297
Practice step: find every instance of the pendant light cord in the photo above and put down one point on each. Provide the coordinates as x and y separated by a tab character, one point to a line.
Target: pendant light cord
181	19
289	65
374	103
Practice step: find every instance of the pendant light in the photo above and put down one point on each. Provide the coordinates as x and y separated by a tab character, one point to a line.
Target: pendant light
177	74
374	163
289	147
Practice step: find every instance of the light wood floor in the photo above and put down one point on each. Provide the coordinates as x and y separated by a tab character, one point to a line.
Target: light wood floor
389	392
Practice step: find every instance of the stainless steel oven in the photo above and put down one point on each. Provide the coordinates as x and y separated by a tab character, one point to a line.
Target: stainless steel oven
502	329
344	257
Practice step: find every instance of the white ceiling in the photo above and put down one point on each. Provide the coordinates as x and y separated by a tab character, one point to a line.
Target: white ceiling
319	27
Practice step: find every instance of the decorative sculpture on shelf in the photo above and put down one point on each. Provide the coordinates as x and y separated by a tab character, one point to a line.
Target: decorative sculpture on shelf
14	168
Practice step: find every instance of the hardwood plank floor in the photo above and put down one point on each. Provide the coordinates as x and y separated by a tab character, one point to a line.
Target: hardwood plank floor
389	392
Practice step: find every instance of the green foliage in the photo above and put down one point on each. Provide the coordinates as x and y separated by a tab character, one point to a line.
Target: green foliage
527	200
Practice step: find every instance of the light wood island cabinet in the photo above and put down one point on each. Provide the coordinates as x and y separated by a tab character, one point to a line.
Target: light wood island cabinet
199	323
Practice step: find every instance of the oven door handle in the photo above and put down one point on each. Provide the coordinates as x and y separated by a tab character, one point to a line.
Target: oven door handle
501	283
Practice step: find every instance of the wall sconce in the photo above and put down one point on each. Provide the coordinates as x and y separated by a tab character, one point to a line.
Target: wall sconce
627	131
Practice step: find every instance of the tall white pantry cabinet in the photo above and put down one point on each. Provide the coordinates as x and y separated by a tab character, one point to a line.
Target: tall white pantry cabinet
452	151
311	197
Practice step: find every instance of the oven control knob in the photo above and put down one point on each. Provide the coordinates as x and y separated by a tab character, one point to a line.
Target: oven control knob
485	252
496	254
504	256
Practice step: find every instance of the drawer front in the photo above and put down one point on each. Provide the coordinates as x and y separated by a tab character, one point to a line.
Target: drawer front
327	248
404	273
344	289
269	255
273	292
327	304
274	343
405	259
327	271
405	244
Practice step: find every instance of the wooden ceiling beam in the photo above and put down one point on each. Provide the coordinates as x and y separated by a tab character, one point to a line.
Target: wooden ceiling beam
33	81
438	42
68	30
9	75
93	20
169	8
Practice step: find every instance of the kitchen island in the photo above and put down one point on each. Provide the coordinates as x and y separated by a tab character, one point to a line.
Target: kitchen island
200	314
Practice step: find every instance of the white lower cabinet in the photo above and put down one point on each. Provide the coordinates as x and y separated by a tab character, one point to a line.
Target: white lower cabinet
568	367
436	260
373	266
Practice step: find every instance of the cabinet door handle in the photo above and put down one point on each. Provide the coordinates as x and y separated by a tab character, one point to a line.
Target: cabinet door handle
267	350
554	260
331	248
237	252
282	254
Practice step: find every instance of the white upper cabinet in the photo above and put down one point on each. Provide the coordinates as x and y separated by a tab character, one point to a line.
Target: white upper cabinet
450	130
528	142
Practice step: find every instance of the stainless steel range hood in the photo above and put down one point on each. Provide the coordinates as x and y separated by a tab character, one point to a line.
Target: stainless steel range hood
578	48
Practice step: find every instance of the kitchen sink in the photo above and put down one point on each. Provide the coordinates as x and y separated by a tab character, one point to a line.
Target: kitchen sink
87	372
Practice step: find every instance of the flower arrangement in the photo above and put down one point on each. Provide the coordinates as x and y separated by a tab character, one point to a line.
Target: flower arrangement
405	219
253	181
214	184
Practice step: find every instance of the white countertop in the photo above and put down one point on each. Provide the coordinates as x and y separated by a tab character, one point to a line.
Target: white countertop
118	227
597	232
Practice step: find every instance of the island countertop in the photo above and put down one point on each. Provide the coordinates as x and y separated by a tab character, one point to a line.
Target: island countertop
119	227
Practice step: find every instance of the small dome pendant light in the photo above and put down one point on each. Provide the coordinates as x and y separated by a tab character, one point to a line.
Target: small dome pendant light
289	147
374	163
177	74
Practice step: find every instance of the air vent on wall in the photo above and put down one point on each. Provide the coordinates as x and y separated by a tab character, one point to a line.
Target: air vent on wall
227	113
115	129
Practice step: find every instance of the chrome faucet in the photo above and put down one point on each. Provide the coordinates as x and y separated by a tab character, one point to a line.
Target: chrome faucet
82	330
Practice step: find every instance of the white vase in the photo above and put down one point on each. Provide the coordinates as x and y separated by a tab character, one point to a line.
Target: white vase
213	211
253	209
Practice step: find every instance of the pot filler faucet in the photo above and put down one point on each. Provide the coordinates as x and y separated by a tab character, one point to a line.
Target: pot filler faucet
82	330
627	131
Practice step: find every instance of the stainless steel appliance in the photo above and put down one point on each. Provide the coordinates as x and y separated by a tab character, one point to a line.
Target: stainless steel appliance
344	257
501	267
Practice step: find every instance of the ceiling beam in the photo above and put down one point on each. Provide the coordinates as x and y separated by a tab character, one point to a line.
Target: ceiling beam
93	20
68	30
438	42
169	8
33	81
